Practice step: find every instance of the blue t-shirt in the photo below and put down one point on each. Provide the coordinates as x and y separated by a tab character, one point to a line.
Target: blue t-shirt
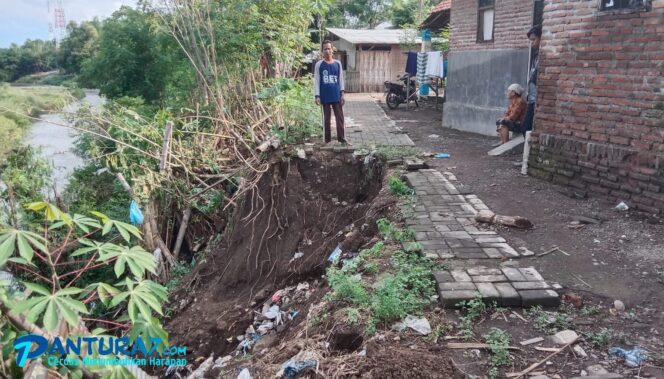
328	77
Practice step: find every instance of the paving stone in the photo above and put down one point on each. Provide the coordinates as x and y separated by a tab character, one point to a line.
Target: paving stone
530	285
450	299
464	250
461	255
513	274
508	295
443	276
488	291
531	274
457	286
431	255
508	250
413	163
460	276
488	278
441	228
545	298
457	235
492	252
489	239
483	271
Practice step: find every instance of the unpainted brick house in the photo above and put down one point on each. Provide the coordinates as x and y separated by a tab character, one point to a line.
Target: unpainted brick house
599	122
599	125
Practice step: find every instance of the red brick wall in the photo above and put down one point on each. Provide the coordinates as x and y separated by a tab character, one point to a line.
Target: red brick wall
513	18
600	113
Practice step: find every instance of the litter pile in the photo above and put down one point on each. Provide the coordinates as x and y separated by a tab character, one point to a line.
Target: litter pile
274	315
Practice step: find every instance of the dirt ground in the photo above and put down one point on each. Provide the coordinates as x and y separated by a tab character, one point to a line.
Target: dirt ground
621	258
310	206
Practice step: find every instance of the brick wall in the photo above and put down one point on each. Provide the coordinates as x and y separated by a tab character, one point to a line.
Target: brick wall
600	113
513	18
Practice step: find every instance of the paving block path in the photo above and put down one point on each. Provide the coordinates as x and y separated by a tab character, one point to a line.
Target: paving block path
442	216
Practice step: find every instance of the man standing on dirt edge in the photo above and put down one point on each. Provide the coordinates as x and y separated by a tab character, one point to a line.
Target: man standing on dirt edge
534	35
329	91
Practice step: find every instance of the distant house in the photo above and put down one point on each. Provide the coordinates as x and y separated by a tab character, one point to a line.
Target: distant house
489	51
439	17
370	57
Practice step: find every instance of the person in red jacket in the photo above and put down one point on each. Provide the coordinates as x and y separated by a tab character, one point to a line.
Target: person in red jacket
516	111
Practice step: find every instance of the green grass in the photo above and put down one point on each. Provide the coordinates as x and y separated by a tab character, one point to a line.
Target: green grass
18	104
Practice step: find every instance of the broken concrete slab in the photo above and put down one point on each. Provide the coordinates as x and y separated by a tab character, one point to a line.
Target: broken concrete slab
507	147
545	298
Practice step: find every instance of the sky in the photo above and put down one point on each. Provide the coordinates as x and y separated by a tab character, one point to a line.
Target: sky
29	19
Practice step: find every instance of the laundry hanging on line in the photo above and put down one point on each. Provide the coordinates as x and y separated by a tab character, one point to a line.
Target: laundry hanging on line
411	64
434	61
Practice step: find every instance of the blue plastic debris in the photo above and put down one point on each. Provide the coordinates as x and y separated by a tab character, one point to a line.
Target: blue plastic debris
135	214
292	368
442	155
633	357
336	253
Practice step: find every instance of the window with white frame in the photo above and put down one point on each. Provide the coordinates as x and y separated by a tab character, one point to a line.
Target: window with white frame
485	20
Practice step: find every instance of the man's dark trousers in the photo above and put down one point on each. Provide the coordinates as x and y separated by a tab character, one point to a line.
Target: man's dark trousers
328	108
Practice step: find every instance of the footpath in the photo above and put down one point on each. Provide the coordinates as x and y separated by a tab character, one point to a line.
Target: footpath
443	218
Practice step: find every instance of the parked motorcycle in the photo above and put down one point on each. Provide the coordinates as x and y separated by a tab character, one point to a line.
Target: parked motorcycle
395	93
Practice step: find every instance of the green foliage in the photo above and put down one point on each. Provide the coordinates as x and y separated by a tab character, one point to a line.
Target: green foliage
352	315
78	46
391	152
178	271
591	310
406	292
91	189
441	42
391	232
52	259
601	338
346	287
31	57
374	252
18	104
298	117
473	310
25	174
357	13
398	187
130	58
498	341
550	322
403	13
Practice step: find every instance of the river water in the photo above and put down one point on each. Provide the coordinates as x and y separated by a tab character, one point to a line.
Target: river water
56	140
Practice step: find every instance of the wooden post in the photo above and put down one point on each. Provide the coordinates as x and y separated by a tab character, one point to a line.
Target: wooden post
181	232
165	148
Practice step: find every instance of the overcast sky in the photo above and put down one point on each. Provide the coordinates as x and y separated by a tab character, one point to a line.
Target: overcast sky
29	19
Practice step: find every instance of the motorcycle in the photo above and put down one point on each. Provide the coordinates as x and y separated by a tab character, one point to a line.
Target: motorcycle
395	93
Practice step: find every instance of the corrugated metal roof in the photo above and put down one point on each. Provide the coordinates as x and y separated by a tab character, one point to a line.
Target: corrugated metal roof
371	36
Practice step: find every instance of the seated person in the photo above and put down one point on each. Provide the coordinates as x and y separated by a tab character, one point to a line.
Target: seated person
511	121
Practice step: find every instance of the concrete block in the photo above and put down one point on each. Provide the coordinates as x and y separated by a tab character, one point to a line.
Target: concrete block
443	276
530	285
531	274
513	274
460	276
508	295
545	298
507	147
483	271
450	299
488	278
492	252
457	286
488	291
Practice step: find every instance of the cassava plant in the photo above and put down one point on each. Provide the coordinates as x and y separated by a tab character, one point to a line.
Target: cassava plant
77	275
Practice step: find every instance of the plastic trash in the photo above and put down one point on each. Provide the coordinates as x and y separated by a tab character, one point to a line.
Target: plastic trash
633	357
293	313
442	155
277	296
336	253
622	206
292	368
272	313
135	214
420	325
244	374
265	327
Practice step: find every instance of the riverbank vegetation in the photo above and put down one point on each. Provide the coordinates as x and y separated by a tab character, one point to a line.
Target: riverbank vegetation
18	107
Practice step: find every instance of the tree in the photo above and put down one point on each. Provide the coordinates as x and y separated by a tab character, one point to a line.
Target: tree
357	13
79	45
133	58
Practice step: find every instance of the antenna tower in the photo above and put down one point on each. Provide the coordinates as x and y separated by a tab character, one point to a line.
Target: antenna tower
58	26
